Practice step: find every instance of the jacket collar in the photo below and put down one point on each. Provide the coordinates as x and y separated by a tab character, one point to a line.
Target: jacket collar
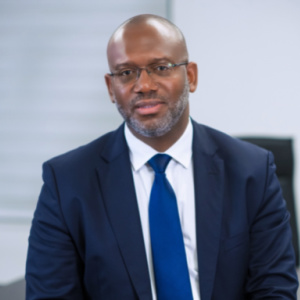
118	193
209	179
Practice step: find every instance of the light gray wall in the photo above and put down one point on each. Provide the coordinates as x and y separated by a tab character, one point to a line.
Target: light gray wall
248	53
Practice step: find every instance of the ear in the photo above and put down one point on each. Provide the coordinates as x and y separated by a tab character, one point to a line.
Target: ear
108	81
192	74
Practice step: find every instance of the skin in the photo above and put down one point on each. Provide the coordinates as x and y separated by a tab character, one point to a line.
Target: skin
157	112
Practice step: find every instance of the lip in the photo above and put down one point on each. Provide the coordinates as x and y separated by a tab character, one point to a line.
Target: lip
148	107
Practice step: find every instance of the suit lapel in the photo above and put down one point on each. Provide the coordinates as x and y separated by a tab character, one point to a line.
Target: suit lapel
208	180
117	188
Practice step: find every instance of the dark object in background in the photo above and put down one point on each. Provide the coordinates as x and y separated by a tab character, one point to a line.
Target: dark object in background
282	148
13	291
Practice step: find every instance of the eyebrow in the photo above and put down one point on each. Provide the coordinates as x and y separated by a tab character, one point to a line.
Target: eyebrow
153	61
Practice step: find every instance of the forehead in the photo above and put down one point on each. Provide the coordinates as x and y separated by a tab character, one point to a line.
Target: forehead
143	43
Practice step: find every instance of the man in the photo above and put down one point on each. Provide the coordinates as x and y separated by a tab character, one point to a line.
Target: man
93	234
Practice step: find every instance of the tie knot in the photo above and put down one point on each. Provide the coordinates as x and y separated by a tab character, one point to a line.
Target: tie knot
159	162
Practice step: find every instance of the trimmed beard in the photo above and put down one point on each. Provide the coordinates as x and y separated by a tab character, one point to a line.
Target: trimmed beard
161	126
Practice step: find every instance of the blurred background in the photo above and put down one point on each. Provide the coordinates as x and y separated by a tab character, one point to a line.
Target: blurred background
53	96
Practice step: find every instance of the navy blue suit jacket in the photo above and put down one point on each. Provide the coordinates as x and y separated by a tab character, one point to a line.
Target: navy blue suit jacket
86	240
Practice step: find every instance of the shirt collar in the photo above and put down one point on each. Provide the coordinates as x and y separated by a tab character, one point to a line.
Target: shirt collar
140	152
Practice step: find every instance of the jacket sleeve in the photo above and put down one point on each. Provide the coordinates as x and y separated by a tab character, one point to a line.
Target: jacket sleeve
53	269
271	273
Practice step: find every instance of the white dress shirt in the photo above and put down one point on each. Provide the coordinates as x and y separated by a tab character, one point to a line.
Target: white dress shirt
180	175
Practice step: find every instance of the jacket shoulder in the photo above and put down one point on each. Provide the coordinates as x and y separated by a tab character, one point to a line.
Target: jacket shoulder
224	143
88	153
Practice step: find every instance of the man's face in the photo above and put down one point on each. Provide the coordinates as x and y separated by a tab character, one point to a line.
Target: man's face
150	106
158	122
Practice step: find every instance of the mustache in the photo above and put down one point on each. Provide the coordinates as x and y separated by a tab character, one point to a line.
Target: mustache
146	96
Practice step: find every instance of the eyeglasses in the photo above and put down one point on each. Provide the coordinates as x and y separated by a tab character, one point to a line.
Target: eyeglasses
131	74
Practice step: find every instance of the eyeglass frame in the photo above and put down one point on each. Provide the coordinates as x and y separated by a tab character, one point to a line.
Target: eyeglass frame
139	70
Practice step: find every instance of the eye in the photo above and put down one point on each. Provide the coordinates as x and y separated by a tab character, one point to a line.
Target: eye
162	68
126	72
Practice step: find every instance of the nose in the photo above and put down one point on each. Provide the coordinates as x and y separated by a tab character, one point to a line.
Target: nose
144	82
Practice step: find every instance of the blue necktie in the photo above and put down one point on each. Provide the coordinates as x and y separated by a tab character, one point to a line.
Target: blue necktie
169	258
